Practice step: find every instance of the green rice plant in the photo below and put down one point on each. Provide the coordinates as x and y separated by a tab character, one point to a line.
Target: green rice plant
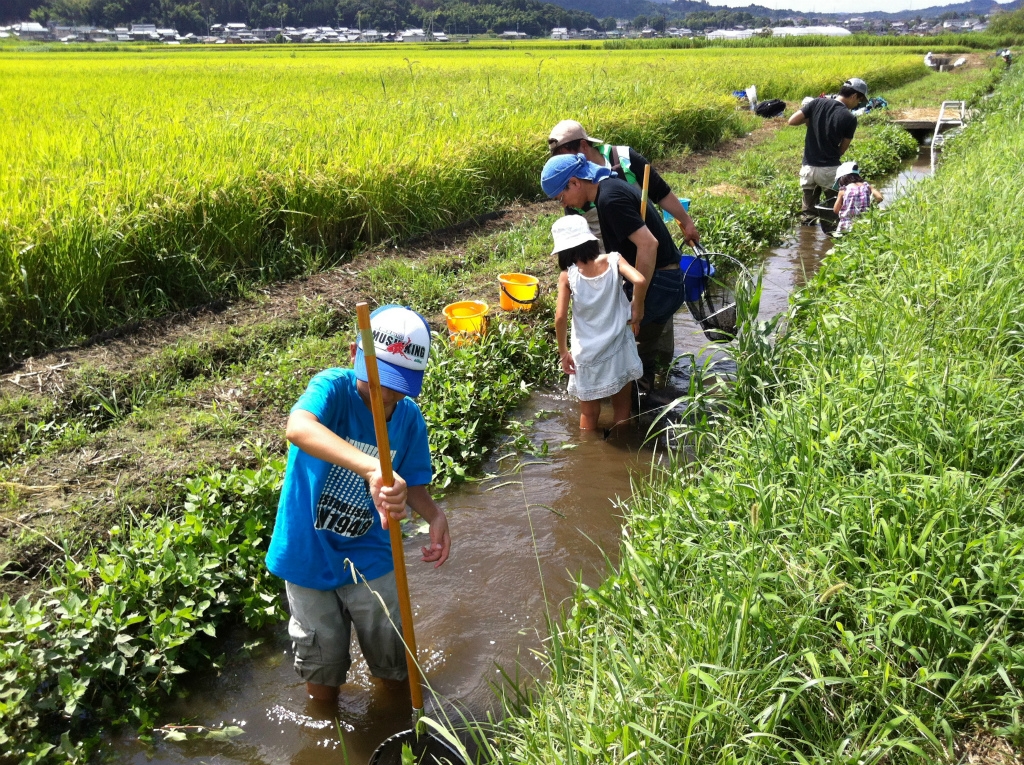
840	579
138	184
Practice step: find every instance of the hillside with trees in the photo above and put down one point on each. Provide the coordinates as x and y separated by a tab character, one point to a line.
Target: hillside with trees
454	16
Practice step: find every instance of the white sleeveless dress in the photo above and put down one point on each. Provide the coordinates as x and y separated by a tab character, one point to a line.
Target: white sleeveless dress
602	343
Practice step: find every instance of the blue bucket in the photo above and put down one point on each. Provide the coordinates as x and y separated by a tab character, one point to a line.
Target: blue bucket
696	272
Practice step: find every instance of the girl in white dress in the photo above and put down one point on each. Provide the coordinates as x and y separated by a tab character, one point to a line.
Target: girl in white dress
601	358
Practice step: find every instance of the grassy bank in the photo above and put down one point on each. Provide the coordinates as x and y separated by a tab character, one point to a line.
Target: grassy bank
221	169
838	578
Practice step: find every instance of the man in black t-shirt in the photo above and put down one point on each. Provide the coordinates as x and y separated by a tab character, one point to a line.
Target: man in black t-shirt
645	243
830	129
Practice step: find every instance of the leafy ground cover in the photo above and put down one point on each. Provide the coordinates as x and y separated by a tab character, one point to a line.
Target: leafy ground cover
210	407
139	184
837	577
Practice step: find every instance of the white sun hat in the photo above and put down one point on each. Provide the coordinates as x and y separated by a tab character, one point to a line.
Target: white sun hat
570	231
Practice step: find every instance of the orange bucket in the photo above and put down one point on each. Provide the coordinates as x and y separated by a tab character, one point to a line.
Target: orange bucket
467	320
518	291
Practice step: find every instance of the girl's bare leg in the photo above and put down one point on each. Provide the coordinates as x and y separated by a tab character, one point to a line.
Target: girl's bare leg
621	404
590	413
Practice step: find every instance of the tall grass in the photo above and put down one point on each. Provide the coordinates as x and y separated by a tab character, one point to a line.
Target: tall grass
839	580
137	184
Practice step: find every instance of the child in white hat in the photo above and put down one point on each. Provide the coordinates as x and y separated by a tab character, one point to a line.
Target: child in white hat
601	358
855	195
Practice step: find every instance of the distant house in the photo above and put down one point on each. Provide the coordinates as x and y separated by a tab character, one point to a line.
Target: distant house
413	35
370	35
560	33
588	34
31	30
440	37
144	32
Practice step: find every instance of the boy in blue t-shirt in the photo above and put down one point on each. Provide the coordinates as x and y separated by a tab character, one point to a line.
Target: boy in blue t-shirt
330	541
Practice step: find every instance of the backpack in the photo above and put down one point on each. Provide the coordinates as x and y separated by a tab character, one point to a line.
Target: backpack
769	109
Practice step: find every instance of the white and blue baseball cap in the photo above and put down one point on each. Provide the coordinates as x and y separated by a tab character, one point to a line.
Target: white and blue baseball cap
401	341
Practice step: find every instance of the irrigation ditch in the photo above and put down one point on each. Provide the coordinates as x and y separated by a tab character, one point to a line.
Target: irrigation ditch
180	563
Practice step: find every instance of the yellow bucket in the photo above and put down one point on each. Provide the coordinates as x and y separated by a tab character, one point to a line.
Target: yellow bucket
467	320
518	291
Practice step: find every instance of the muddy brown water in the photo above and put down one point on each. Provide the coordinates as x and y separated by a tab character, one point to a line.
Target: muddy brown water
519	541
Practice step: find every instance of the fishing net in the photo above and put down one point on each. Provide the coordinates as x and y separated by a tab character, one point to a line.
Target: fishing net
714	308
419	749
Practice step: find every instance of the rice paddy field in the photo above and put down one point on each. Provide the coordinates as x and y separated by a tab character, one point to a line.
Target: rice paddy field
134	184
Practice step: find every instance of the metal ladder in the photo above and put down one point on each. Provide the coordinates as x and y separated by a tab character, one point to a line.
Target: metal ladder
957	122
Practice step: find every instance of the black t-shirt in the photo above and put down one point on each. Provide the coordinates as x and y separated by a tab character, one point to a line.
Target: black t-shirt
828	123
618	209
657	189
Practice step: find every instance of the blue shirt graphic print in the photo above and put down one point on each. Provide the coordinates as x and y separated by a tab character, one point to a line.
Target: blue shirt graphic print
345	505
327	532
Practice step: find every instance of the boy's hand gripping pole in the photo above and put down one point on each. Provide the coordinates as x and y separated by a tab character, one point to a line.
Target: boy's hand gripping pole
380	426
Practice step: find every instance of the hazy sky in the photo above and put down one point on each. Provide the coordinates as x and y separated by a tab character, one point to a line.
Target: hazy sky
837	6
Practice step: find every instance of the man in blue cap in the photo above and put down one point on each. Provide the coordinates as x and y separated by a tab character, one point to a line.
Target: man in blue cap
644	242
330	541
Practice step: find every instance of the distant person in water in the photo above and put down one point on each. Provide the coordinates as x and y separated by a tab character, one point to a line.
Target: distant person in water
831	125
855	195
601	359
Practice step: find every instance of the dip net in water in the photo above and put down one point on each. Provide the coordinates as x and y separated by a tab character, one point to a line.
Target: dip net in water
715	308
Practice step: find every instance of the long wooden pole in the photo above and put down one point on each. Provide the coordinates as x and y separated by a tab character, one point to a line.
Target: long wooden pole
380	426
643	193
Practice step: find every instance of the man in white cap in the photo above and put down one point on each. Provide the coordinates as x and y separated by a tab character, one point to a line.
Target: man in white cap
830	128
569	137
330	542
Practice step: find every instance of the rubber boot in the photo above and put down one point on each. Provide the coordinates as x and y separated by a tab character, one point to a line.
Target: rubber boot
808	215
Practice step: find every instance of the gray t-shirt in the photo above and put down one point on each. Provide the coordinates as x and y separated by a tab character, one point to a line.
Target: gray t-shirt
828	123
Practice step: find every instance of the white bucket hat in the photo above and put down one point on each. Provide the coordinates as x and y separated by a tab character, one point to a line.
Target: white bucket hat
570	231
846	168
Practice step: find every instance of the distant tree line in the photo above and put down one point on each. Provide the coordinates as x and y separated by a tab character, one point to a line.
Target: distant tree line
454	16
